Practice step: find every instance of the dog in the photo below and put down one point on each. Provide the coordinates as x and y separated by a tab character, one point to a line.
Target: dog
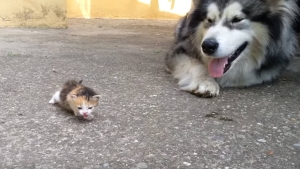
232	43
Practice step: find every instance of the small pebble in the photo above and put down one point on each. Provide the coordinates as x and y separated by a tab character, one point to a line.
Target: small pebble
290	147
259	124
136	141
106	165
150	155
187	164
293	119
270	152
275	128
142	165
262	140
285	127
226	167
195	154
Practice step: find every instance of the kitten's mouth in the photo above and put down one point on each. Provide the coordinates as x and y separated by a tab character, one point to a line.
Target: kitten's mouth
217	67
85	115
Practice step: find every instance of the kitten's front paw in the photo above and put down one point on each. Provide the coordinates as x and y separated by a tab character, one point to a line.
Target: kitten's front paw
52	101
201	87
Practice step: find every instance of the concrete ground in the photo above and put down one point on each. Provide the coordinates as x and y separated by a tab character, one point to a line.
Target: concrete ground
144	120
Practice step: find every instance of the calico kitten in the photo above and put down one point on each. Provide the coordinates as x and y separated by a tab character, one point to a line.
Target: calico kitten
77	98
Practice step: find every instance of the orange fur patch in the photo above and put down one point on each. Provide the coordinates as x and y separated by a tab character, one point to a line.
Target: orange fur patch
80	100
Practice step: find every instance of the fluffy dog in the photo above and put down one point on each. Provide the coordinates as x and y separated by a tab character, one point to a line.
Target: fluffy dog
232	43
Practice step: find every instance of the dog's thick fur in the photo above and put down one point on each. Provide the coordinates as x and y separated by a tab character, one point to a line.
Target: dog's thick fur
265	27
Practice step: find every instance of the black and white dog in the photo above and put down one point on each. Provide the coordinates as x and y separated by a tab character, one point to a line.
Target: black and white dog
233	43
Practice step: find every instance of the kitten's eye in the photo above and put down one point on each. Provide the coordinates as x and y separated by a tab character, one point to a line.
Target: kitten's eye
79	108
236	20
209	20
90	107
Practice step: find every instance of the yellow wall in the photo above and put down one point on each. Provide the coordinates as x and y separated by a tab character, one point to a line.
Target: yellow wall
33	13
53	13
150	9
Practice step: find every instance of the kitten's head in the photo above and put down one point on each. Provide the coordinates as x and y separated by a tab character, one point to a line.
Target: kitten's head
85	104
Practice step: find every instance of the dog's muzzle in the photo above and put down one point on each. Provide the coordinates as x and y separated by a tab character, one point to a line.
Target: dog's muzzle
217	67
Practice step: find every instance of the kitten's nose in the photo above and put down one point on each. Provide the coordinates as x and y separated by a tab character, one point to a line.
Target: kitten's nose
85	114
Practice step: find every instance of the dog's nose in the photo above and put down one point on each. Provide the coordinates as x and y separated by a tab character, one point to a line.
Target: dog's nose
209	46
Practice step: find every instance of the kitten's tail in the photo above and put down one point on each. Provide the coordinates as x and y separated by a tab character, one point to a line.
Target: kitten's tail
80	81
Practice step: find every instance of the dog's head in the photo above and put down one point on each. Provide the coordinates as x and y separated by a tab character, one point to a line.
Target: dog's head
229	30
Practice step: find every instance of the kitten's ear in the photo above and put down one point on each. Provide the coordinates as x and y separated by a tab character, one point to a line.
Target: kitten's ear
73	96
96	97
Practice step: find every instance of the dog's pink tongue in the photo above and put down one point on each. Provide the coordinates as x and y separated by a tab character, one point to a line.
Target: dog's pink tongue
216	66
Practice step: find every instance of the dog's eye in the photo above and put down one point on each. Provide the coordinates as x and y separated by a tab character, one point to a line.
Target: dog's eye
90	107
236	20
79	108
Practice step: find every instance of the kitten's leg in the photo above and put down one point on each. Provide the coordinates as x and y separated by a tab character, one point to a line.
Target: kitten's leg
55	98
76	113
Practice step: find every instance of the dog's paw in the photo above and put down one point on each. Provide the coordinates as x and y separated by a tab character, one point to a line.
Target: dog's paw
200	87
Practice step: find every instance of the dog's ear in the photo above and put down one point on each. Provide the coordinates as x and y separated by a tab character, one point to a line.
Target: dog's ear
277	6
196	2
274	2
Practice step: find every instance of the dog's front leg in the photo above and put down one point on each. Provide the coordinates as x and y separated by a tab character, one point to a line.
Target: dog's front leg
193	76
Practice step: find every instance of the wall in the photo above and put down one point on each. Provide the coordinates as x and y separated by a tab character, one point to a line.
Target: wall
53	13
33	13
149	9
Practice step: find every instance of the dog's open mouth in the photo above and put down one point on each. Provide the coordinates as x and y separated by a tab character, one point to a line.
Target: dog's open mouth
217	67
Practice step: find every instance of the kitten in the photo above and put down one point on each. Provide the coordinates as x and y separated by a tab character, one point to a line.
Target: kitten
77	98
